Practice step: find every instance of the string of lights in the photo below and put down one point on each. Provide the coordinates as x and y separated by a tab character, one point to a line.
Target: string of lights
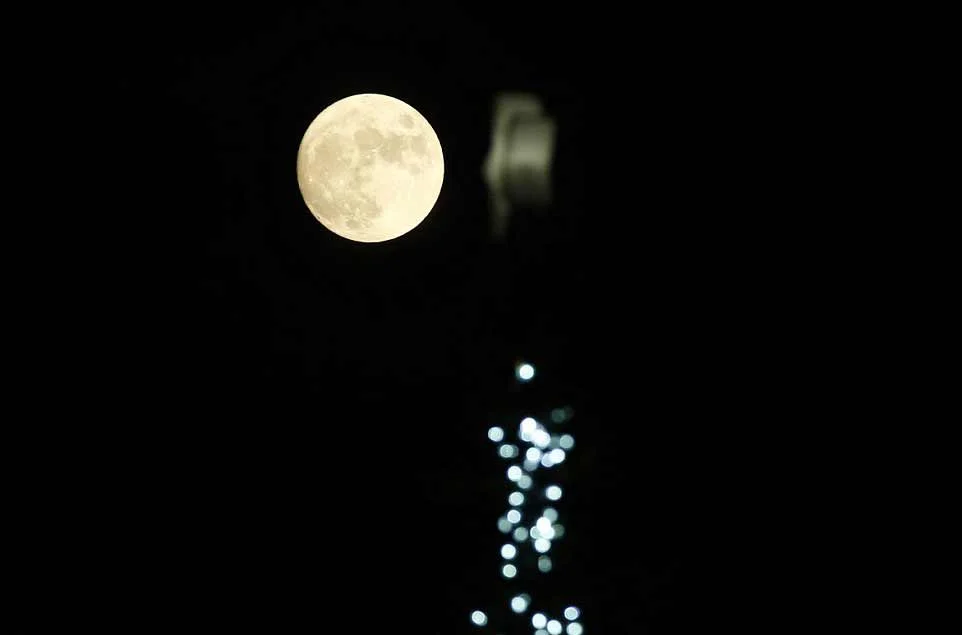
531	520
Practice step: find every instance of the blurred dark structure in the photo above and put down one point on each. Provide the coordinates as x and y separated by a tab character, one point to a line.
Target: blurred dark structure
290	430
517	168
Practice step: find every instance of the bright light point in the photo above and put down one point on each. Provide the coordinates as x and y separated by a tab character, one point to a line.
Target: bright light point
514	517
546	460
542	545
544	564
504	525
533	454
525	482
514	473
519	604
550	513
541	438
566	441
516	498
520	534
525	372
554	627
495	433
575	629
508	451
572	613
545	530
553	492
479	618
529	425
508	552
509	570
538	620
557	455
531	466
535	534
559	530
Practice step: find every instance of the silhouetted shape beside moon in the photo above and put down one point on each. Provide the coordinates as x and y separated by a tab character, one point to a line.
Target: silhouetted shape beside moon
370	168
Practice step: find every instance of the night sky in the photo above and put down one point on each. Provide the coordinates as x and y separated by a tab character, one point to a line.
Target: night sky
287	430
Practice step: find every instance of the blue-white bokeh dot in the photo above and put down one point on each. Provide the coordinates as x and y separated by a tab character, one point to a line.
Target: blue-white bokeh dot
525	372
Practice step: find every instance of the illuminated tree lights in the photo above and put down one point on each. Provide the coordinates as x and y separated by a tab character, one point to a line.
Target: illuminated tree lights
530	522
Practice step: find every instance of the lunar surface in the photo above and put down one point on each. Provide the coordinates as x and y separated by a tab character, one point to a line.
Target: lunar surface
370	168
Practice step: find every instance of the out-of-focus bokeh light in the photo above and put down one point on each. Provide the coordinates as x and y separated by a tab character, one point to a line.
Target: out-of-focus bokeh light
553	492
557	456
525	482
545	530
508	551
554	627
514	517
533	454
479	618
550	513
515	499
546	460
559	530
495	433
514	473
525	372
572	613
519	604
527	428
541	438
560	415
509	571
544	564
566	441
507	451
542	545
520	534
575	629
543	524
538	620
541	631
504	525
531	466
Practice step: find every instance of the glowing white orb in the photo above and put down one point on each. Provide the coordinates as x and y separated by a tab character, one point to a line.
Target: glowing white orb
525	372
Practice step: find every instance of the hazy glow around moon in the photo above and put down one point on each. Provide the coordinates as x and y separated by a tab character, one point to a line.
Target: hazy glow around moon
370	167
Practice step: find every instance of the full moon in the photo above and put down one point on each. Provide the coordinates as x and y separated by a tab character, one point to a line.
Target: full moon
370	168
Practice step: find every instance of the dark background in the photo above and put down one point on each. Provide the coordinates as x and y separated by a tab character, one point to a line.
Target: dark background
272	428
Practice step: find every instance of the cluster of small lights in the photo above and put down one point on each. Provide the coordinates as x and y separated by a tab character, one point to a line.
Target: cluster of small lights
546	625
545	450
